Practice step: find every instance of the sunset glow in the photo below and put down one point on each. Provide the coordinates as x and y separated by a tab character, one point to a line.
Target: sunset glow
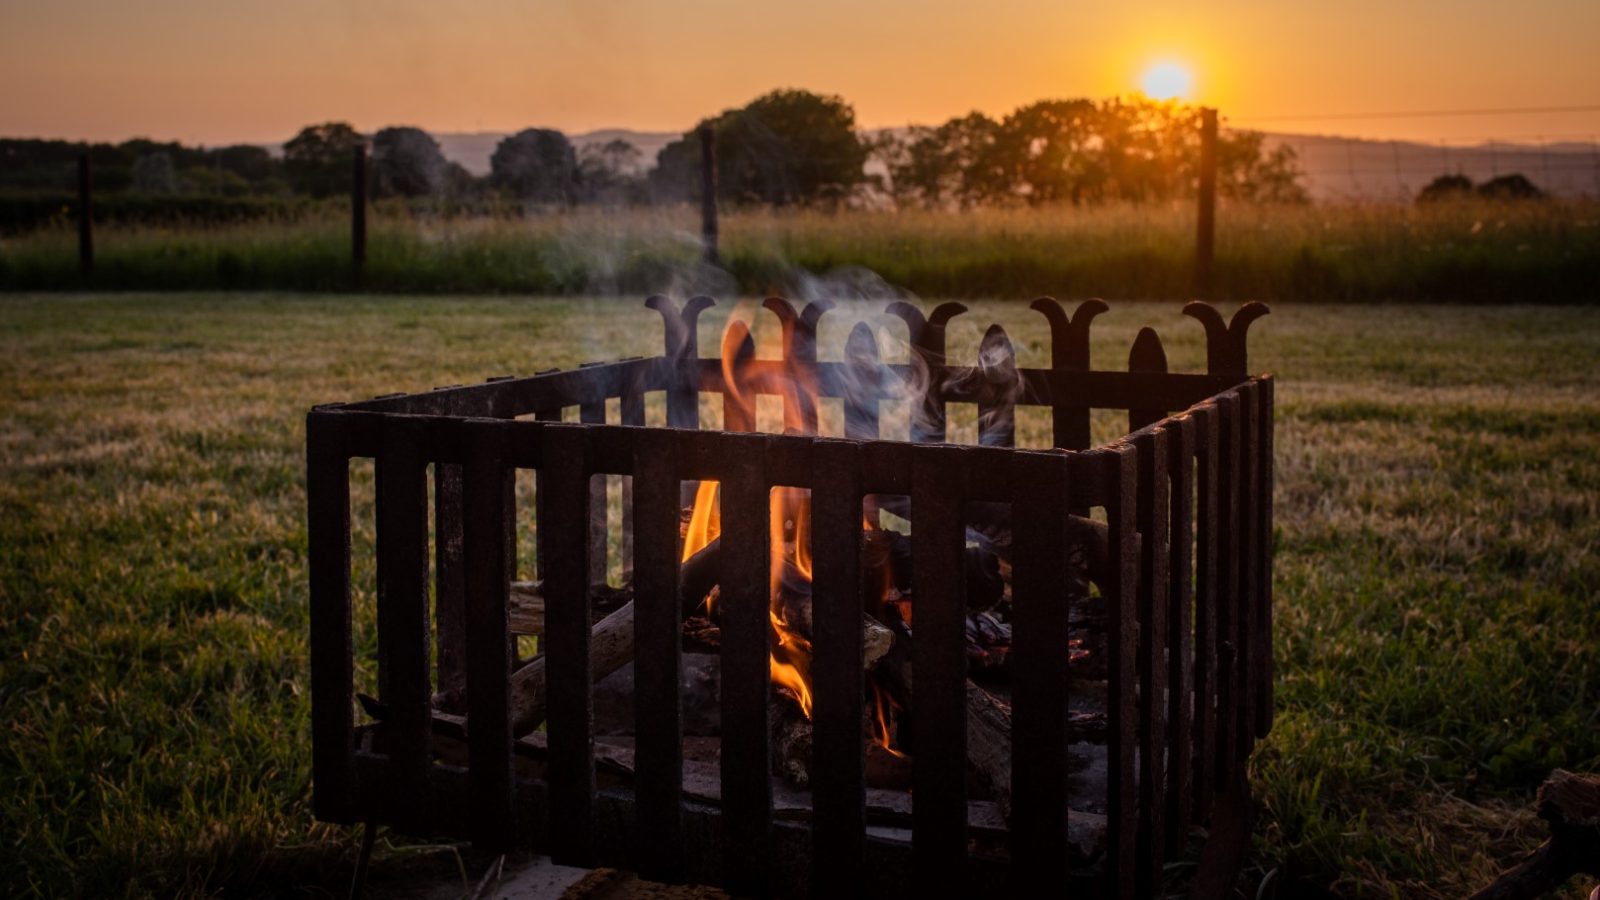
1167	81
253	71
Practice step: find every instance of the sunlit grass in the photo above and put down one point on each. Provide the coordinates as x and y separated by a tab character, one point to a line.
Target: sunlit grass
1438	476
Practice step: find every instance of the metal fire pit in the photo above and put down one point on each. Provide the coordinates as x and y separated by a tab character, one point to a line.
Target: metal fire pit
1186	497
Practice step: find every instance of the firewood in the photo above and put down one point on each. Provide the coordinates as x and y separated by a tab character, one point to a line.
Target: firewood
791	742
989	745
526	611
1571	804
610	648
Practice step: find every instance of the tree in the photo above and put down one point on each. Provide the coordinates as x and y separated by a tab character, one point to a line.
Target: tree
1046	150
153	174
1446	187
609	171
1246	170
1510	187
406	162
537	165
318	158
785	147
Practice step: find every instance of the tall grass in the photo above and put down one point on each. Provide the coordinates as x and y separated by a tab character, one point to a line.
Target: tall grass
1473	251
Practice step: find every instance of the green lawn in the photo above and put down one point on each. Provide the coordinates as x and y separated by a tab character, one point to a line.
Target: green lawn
1439	469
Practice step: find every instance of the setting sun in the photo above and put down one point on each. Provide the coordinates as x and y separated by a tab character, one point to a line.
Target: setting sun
1167	81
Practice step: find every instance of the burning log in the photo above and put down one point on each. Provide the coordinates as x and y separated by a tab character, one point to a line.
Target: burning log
611	648
791	742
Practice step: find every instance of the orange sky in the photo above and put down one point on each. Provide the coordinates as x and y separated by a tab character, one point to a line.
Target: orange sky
219	71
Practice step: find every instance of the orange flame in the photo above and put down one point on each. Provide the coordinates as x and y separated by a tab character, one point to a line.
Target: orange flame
705	523
881	704
790	550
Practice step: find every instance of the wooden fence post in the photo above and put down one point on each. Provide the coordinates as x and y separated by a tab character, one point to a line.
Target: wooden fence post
358	212
1204	249
708	193
85	215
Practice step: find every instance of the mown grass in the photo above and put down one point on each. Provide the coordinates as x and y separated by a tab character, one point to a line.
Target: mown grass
1472	251
1438	476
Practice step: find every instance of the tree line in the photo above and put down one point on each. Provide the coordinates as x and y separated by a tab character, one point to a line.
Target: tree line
785	148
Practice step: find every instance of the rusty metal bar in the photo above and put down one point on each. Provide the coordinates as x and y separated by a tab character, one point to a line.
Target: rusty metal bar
1249	563
1264	569
488	501
403	682
632	409
839	767
1122	643
1180	633
332	669
1039	666
564	533
1228	757
746	783
658	663
1206	601
1153	506
938	715
450	585
593	412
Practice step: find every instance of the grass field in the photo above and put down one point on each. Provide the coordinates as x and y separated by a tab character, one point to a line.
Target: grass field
1473	251
1437	492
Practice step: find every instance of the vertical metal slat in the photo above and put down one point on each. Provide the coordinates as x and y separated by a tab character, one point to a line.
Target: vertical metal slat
839	768
488	503
1039	665
939	795
746	785
1153	507
1122	643
564	532
450	586
658	661
332	670
1180	633
404	685
1206	601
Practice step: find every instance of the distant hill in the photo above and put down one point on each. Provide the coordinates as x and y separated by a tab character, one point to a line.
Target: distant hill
1336	168
1340	168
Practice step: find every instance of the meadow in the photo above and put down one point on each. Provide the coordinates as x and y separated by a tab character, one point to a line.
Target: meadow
1436	513
1462	251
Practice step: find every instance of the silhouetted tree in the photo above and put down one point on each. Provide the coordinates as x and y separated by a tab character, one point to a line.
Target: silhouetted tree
1446	187
785	147
153	173
406	162
537	165
1510	187
318	158
609	172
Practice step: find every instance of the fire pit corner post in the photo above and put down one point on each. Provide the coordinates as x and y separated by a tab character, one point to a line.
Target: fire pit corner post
332	668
